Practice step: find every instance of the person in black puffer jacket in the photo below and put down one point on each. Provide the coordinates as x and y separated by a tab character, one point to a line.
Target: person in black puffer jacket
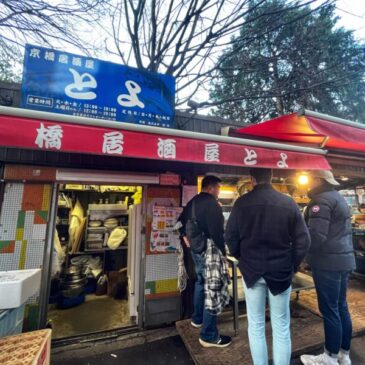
266	232
331	257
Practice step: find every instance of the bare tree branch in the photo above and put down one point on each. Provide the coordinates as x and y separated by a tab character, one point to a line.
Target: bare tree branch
179	38
47	22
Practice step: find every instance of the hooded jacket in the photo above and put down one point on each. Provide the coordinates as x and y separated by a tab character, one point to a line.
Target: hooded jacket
329	221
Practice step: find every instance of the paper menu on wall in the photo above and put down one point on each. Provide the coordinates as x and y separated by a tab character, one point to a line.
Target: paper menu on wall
163	237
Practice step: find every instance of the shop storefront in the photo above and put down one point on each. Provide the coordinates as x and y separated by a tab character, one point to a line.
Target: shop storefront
53	200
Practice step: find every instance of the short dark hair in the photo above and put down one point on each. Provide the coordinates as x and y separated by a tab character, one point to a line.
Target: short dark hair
210	180
262	176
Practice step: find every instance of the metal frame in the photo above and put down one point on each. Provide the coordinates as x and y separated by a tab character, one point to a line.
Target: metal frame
142	281
69	119
47	266
310	113
64	175
234	264
47	260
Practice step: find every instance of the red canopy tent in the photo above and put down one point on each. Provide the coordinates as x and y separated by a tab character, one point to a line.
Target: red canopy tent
311	128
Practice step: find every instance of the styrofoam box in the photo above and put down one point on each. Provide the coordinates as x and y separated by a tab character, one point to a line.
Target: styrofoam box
17	286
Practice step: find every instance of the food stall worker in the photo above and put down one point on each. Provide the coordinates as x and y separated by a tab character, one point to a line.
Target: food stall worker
267	234
331	257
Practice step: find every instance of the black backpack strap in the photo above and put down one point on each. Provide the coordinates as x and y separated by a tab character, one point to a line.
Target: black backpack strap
193	214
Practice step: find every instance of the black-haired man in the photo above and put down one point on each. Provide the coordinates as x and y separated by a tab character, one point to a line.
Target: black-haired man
206	211
267	234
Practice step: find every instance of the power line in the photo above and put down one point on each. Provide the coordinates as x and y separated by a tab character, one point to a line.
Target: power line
349	13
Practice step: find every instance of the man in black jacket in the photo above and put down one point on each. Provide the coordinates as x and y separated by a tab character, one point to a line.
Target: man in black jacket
267	234
208	214
331	258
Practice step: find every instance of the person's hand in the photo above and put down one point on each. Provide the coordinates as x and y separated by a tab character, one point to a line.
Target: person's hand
186	241
226	264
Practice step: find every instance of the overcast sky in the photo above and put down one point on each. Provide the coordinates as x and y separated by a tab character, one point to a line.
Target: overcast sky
351	13
352	16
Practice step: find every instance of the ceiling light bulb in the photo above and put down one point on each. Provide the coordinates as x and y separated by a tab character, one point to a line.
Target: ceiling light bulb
303	180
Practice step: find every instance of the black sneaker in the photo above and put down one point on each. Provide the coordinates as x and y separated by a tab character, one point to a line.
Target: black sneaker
223	341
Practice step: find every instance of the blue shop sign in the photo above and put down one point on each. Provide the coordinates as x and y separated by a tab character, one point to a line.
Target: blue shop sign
65	83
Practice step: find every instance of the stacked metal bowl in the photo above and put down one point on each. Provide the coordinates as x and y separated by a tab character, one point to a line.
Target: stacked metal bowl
73	282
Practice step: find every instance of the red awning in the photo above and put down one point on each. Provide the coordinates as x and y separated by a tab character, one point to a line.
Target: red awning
311	129
54	132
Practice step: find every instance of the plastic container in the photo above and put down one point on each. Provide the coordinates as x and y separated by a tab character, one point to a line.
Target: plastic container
64	302
11	321
90	287
31	348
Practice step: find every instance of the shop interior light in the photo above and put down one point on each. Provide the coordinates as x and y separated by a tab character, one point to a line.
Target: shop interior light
303	179
227	193
344	178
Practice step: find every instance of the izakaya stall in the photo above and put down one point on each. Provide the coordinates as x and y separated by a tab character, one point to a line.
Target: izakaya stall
344	142
48	180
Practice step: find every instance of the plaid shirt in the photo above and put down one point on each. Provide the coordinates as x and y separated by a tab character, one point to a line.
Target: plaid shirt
216	280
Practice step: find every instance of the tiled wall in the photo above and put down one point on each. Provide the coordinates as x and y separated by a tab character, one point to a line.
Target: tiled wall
23	226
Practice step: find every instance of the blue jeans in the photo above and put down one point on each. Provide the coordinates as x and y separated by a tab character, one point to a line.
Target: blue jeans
280	323
209	330
331	287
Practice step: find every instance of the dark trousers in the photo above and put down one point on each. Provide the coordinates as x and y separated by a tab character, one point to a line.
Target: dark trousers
331	287
188	294
209	330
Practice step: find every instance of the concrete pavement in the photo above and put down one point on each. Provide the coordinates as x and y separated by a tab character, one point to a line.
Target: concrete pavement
169	351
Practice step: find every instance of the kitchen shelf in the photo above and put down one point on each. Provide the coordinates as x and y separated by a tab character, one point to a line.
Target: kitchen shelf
104	228
109	207
86	252
108	249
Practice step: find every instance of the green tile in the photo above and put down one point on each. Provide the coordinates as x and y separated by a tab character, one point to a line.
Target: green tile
151	285
4	244
43	214
21	219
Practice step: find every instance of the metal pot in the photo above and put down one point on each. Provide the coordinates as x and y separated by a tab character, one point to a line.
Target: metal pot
73	291
74	282
72	273
73	270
